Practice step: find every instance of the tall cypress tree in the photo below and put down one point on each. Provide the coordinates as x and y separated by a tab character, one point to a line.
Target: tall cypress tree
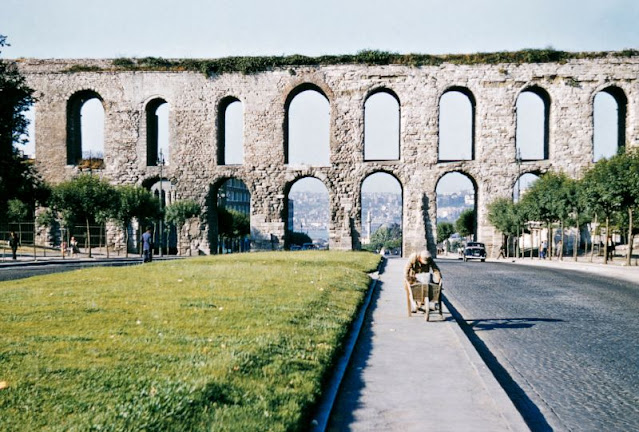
18	177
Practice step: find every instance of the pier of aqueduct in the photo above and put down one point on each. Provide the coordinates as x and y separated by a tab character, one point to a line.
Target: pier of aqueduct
196	109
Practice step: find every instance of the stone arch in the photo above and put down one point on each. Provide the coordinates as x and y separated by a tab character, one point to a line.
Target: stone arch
446	124
473	182
389	216
541	149
286	215
619	96
239	201
165	191
152	130
306	86
222	130
523	182
74	123
386	130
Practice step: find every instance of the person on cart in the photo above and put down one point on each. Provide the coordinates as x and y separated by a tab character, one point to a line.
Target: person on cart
419	263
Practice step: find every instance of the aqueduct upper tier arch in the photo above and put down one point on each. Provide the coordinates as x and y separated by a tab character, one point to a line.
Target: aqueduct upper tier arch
194	101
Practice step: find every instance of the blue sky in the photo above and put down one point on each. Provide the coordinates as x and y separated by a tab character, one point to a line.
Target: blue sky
190	28
218	28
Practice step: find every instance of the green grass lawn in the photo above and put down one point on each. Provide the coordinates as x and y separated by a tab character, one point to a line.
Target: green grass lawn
237	342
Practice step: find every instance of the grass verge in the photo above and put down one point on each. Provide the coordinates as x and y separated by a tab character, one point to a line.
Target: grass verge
236	342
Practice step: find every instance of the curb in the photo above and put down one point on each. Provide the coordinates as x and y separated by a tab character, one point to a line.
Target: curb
76	261
323	412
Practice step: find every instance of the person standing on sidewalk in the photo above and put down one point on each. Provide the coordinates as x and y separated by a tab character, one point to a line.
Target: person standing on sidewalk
147	245
14	242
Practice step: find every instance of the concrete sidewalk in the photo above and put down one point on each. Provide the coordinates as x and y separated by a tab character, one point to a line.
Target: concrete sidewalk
407	374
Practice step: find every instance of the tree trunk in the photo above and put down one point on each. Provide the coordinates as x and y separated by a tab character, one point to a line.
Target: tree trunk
106	242
575	244
592	240
89	237
561	250
630	239
549	237
606	242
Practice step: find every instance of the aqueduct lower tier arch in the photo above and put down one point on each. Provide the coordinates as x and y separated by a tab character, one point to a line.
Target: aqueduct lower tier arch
194	137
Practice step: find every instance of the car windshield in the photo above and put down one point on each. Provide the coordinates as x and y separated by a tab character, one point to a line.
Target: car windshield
475	244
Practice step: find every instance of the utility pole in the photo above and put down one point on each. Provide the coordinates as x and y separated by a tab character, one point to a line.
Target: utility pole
161	164
518	157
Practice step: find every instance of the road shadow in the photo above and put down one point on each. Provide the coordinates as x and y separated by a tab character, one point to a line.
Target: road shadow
485	324
526	407
350	391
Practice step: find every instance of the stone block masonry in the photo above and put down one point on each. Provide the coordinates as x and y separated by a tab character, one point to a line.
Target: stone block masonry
194	101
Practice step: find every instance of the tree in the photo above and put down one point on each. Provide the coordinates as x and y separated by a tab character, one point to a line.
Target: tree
387	237
505	216
611	188
444	231
601	198
465	224
82	199
544	201
298	238
232	223
18	177
134	202
179	212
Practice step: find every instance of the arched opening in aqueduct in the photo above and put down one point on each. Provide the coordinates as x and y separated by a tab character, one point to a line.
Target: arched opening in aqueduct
307	127
306	210
456	192
456	125
609	122
228	211
85	127
382	204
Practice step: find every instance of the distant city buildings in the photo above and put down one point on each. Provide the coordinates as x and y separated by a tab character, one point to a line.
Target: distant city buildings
308	212
234	195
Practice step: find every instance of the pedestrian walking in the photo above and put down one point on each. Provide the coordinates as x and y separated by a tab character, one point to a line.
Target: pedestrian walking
147	245
14	242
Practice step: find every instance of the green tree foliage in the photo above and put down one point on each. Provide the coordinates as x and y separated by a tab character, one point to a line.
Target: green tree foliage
83	199
232	223
298	238
388	237
465	224
502	213
17	211
18	177
444	231
611	188
180	211
134	202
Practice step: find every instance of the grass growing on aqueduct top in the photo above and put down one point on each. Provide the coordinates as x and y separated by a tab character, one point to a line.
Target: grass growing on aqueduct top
237	342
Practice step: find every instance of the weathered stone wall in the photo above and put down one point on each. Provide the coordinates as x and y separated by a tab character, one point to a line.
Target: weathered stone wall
194	99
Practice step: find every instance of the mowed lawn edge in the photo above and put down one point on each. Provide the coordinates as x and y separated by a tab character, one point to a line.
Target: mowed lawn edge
234	342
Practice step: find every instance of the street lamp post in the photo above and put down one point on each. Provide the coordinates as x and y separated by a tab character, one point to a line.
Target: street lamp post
517	250
161	164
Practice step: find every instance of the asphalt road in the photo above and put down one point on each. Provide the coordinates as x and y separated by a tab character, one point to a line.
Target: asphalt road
28	270
564	344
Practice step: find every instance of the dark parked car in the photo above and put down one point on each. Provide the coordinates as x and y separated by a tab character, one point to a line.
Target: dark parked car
475	250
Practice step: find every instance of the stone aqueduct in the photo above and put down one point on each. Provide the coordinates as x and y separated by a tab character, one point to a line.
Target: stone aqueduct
196	101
